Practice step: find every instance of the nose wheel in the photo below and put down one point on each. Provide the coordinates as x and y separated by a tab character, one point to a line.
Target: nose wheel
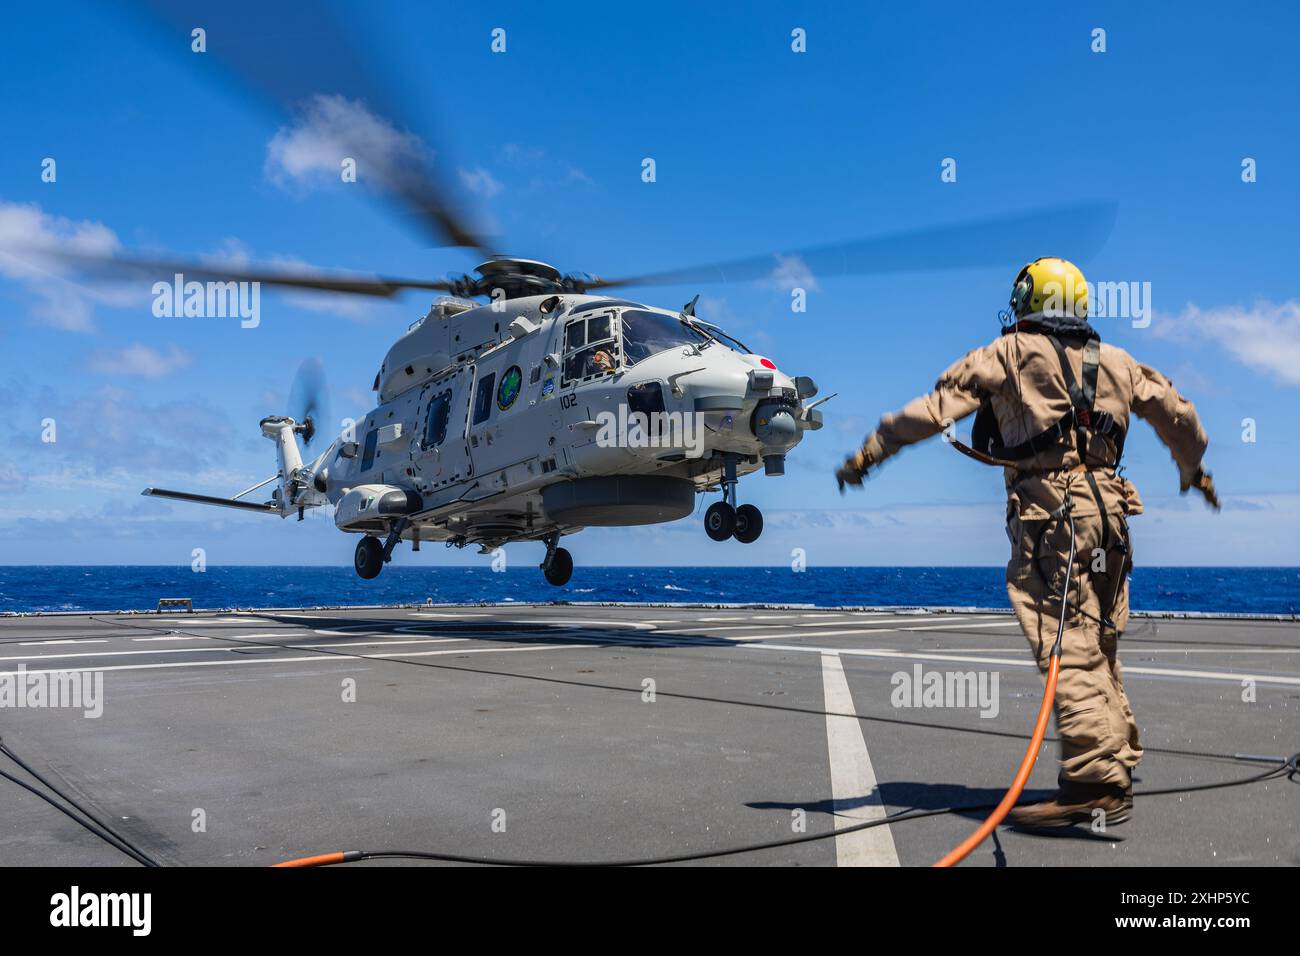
720	521
749	524
724	520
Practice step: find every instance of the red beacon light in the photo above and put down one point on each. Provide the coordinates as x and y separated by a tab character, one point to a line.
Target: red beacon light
767	363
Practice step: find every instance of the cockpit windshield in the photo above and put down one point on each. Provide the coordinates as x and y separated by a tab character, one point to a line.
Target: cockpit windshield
649	333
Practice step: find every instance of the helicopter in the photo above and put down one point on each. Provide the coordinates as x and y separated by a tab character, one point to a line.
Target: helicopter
538	415
555	405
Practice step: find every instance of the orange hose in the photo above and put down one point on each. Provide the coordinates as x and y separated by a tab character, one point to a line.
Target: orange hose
325	859
963	849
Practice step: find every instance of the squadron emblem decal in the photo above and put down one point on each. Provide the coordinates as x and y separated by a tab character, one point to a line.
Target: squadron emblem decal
508	390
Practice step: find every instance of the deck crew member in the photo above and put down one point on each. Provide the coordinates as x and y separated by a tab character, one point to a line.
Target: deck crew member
1054	406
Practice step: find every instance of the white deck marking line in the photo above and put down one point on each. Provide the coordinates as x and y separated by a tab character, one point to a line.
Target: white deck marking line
1008	662
682	638
634	625
940	627
209	649
450	617
910	625
856	797
749	627
318	658
848	632
480	650
1127	654
710	630
174	637
321	658
923	618
70	640
863	630
205	621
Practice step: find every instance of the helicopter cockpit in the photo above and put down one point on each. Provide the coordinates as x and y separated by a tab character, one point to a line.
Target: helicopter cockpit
598	340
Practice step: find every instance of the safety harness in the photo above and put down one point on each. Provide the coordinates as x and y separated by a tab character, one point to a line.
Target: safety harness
1081	418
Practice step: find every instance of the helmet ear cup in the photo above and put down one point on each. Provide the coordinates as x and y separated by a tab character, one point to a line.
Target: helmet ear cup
1020	294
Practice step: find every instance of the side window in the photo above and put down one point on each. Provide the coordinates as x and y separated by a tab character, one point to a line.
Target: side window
589	348
368	455
598	328
575	336
435	429
483	398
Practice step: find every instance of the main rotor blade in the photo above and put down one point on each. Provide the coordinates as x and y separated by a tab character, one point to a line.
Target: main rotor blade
164	270
304	62
1075	232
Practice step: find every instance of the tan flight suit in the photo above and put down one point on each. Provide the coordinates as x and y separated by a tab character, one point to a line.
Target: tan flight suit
1021	374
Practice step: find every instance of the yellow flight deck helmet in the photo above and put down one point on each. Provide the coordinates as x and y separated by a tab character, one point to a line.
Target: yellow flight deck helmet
1050	287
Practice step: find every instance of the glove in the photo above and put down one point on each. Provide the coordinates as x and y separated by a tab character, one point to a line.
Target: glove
1203	482
850	473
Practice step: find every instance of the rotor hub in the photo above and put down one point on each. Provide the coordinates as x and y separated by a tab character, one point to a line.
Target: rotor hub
512	278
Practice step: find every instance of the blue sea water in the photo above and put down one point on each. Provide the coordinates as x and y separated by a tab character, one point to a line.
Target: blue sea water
101	588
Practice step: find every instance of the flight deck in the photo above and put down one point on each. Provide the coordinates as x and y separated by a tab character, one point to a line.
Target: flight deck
590	733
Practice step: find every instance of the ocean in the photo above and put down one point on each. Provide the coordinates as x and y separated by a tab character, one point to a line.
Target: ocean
104	588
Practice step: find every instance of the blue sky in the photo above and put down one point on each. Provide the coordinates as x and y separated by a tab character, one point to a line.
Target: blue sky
758	149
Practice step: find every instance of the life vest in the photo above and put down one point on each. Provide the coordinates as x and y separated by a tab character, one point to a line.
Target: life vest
1077	424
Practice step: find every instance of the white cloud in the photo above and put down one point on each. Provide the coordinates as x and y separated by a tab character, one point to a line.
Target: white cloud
1265	336
141	361
480	182
791	272
29	237
332	128
541	172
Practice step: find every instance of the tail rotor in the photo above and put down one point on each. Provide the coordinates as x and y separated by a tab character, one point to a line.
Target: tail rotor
309	399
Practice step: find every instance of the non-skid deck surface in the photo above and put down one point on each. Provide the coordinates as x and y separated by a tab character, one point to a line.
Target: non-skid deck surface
564	732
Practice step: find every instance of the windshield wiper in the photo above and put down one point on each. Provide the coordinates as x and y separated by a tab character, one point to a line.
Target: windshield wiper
716	334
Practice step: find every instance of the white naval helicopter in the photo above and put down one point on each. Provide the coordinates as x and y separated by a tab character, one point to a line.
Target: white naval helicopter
490	423
538	415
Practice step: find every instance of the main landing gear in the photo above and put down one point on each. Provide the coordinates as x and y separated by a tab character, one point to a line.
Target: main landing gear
724	520
369	559
371	556
558	563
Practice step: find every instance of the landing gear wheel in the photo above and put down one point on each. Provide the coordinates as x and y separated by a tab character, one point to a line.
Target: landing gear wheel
720	521
749	524
369	559
561	568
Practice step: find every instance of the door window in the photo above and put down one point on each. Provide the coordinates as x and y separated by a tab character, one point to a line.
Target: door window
435	429
368	455
483	398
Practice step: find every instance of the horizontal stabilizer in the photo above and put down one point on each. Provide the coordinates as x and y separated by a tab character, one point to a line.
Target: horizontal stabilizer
266	508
